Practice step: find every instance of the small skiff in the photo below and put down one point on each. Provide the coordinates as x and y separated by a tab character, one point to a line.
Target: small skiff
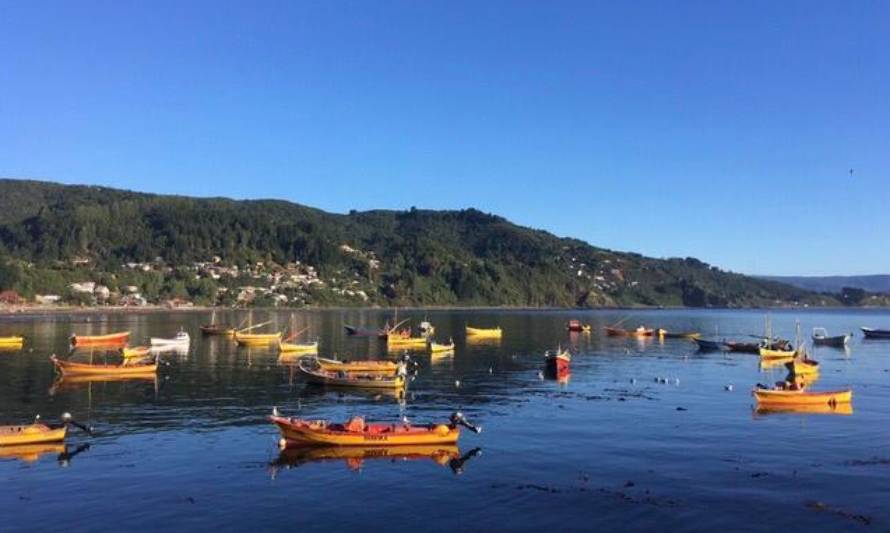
257	339
357	432
181	339
100	340
821	338
779	397
485	332
333	365
369	380
67	368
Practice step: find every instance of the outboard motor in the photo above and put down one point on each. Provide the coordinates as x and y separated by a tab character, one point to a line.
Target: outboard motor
457	418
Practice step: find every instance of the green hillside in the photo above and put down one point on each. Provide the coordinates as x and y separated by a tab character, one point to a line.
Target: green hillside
52	235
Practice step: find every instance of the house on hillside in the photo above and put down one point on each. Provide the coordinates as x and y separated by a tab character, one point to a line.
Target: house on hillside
11	298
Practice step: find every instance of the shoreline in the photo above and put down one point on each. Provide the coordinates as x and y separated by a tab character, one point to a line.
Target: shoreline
37	310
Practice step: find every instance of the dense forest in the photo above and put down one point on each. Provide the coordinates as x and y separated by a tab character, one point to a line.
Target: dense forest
52	235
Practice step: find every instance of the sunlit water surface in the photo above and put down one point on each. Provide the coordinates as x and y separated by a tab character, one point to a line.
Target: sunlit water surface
614	448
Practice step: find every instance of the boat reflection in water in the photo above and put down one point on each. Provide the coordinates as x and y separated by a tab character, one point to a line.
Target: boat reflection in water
820	409
355	456
63	383
31	453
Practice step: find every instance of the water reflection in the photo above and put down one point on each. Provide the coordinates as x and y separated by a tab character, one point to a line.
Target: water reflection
354	457
845	409
31	453
68	383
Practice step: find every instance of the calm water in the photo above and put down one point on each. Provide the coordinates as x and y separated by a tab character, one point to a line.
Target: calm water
613	448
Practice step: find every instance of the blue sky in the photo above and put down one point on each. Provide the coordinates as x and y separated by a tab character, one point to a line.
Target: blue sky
720	130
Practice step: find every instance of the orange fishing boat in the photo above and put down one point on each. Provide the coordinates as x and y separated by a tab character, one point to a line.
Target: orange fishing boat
100	340
67	368
357	432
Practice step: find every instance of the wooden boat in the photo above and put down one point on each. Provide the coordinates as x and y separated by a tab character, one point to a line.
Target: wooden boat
768	353
14	341
705	345
871	333
558	362
110	339
181	339
641	331
257	339
67	368
298	347
577	326
216	329
821	338
333	365
801	396
368	380
401	340
485	332
800	366
135	352
665	334
35	433
441	348
357	432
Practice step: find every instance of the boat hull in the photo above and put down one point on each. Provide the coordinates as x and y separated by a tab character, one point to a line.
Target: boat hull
31	434
838	341
332	365
298	347
68	368
876	333
767	397
492	333
11	342
257	339
351	379
111	339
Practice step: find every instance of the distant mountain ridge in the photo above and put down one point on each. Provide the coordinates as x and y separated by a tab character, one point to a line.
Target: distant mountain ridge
49	231
833	284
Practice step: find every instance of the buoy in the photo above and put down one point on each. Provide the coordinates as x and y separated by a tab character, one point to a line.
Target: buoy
728	387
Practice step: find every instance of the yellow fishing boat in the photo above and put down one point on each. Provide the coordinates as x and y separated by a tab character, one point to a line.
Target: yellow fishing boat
35	433
441	348
357	432
333	365
484	332
404	339
67	368
298	347
767	353
12	342
800	396
257	339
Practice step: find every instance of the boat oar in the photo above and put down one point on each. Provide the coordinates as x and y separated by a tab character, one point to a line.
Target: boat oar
68	419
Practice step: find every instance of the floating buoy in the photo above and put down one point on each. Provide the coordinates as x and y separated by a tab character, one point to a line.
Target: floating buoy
728	387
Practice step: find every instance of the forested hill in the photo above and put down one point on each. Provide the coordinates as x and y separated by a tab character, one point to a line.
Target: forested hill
51	235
